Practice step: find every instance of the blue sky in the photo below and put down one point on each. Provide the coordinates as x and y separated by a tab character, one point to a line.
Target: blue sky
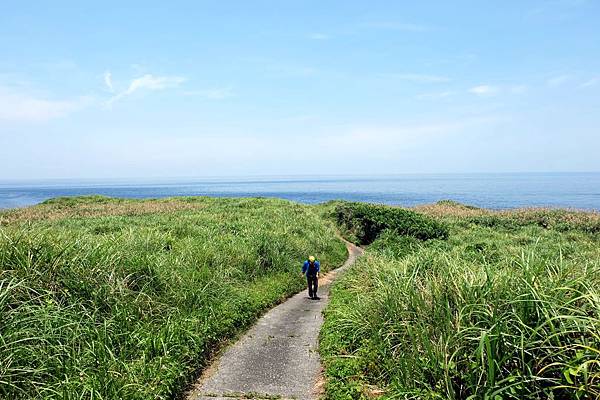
226	88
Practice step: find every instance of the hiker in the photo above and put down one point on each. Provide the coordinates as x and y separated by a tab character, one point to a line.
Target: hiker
311	269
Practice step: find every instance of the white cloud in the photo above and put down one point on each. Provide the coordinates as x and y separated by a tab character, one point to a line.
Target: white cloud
108	81
212	94
319	36
418	78
557	80
148	82
591	82
484	90
25	107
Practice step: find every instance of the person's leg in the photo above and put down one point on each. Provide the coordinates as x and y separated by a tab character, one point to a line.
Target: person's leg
310	288
315	287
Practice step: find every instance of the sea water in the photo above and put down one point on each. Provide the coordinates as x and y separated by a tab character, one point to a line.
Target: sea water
497	191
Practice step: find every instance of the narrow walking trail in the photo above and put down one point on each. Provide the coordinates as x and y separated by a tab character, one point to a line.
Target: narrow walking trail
278	356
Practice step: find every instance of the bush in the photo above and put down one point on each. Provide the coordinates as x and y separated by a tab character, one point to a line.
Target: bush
365	222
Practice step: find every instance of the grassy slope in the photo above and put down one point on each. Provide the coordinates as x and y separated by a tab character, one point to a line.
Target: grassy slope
104	298
508	307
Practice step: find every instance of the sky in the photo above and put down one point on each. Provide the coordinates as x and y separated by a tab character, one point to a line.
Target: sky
155	89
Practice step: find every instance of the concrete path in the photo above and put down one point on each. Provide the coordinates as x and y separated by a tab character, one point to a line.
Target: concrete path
277	358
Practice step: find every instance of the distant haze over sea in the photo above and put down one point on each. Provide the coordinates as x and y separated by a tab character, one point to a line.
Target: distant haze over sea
497	191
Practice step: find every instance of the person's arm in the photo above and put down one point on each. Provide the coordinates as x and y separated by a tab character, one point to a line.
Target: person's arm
318	266
304	267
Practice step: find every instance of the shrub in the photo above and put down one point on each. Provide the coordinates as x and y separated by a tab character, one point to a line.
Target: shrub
365	222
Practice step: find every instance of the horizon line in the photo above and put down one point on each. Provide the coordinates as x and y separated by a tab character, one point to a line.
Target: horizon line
277	176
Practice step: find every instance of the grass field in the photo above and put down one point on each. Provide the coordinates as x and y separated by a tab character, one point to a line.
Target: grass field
508	307
125	299
107	298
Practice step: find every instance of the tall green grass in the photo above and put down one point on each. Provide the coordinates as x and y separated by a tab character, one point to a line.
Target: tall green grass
121	299
492	313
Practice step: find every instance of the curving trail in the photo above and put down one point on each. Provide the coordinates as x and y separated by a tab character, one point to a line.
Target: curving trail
277	357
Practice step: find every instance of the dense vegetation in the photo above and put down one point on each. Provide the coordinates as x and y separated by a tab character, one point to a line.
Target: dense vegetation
363	222
507	307
121	299
108	298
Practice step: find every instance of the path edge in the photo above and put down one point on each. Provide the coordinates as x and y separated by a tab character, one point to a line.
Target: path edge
212	364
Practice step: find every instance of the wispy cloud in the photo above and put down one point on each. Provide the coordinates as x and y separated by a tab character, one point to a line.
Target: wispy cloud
212	94
319	36
488	90
591	82
484	90
558	80
108	81
418	78
147	82
26	107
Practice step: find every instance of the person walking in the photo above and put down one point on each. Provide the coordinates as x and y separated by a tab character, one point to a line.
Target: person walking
311	269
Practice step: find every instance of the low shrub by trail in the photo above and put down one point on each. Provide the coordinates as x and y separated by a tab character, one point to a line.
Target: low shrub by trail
490	313
125	299
364	222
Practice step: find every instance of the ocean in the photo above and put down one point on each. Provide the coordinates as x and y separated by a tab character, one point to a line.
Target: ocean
496	191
